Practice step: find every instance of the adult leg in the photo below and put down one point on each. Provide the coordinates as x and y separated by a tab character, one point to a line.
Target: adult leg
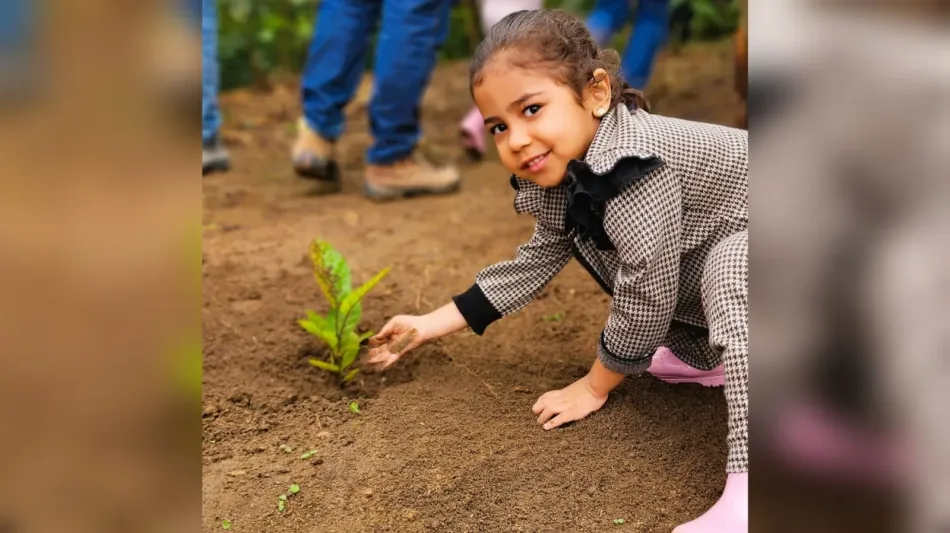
650	30
726	301
333	70
213	155
607	18
406	53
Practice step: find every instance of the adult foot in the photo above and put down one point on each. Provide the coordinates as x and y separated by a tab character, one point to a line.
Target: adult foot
214	157
313	157
412	176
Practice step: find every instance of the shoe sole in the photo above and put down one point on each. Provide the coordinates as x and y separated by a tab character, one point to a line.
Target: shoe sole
325	174
215	167
715	380
379	194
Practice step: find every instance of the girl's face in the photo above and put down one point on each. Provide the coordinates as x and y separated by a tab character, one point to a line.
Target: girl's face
537	123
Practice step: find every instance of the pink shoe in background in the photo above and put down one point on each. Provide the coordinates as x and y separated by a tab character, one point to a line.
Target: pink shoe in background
812	440
728	515
472	129
669	368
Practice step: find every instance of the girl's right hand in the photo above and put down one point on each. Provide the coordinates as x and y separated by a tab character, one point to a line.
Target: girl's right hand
400	335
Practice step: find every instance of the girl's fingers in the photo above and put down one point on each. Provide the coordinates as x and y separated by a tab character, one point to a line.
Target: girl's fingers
562	418
386	332
539	405
546	415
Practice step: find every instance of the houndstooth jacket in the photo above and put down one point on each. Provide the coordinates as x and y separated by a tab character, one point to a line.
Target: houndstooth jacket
640	213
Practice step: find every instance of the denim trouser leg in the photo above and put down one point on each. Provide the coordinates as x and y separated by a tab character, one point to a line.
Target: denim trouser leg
210	115
650	30
336	61
409	36
607	18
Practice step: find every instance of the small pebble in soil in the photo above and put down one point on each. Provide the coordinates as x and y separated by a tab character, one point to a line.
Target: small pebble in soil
367	492
323	434
258	449
316	462
236	473
283	470
591	490
347	442
211	410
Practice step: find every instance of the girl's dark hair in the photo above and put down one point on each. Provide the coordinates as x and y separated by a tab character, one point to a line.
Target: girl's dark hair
559	41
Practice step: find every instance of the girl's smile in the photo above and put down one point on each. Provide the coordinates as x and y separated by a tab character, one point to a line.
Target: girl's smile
535	164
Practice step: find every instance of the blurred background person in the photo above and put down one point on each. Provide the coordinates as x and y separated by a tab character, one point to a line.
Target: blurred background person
651	25
410	34
214	157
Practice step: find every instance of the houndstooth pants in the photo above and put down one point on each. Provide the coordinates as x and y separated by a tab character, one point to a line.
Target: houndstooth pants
725	289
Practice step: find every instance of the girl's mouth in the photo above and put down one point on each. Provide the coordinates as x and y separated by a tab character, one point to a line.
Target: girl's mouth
536	163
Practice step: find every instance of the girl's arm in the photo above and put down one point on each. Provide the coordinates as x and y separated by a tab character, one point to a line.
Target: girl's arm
507	287
499	290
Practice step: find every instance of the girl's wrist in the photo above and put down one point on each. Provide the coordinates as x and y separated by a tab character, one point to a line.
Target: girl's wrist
601	380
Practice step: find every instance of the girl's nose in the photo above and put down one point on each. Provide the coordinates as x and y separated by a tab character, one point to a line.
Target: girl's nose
518	139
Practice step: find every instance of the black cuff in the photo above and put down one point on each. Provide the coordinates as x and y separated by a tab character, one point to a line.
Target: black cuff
477	310
621	365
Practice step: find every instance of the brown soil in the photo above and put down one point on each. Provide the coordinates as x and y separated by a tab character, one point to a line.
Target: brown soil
446	440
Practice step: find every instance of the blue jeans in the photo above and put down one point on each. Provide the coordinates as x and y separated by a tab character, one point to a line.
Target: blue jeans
210	114
410	34
650	30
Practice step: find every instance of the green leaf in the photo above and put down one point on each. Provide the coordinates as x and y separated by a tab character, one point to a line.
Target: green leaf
331	272
619	521
225	524
324	365
364	336
282	497
280	504
320	328
556	317
350	319
349	350
354	407
308	455
294	489
352	300
350	375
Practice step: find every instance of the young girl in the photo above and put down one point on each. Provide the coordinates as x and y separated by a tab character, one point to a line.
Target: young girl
654	208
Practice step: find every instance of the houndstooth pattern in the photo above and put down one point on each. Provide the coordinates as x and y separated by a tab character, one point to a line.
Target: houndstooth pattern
726	300
662	226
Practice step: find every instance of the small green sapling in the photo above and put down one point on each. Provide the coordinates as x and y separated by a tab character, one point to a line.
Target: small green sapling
337	329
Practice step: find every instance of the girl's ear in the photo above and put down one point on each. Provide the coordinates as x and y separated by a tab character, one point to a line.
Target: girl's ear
597	94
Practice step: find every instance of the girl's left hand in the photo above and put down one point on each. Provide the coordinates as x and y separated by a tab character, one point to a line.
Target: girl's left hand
571	403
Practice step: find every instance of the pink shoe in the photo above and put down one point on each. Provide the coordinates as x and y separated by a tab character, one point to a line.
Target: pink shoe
813	440
472	130
729	515
669	368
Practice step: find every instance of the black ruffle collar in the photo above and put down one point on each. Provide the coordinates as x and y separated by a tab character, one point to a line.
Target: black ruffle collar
589	192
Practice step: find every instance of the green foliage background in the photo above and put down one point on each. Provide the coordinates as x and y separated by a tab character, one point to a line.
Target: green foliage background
263	39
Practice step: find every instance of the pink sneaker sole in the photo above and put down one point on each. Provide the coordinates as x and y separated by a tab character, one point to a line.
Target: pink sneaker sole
669	368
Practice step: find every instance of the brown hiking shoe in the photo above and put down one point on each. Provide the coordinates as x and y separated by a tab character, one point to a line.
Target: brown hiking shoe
312	156
412	176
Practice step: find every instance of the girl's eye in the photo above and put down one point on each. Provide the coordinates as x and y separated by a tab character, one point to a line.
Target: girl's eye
531	110
496	129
